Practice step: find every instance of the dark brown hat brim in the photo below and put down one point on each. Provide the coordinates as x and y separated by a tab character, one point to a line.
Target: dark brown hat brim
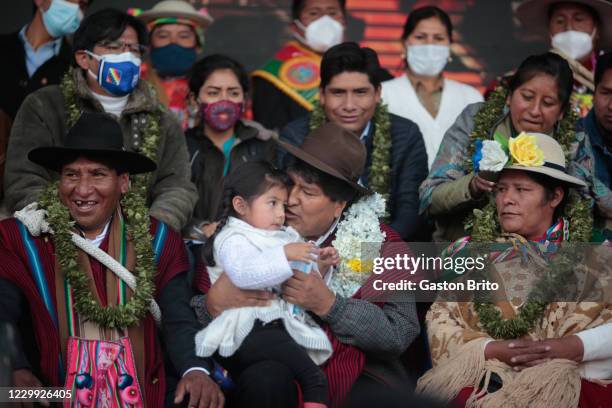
319	165
53	157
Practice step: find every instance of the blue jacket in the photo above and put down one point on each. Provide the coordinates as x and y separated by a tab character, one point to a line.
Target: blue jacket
408	170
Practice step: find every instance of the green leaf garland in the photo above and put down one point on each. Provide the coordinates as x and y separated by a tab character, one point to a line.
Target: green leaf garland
553	283
137	226
483	226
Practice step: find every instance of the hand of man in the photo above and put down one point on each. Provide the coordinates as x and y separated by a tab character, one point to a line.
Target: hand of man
517	353
224	295
209	229
203	391
309	291
24	378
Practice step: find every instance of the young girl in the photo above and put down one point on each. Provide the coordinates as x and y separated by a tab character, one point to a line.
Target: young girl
254	248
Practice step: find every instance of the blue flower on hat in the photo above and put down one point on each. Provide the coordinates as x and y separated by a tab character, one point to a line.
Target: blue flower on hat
477	156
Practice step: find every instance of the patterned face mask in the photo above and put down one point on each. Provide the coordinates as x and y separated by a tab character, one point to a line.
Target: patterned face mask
221	115
117	73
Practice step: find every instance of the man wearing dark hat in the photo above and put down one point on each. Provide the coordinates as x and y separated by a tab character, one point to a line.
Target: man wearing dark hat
108	46
577	30
89	278
327	205
396	158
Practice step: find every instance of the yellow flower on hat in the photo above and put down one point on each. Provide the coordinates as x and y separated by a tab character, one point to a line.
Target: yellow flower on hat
525	150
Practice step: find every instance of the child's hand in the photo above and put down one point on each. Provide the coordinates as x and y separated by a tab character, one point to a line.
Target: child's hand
327	257
302	252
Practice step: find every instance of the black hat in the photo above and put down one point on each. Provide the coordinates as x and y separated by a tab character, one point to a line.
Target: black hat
94	134
335	151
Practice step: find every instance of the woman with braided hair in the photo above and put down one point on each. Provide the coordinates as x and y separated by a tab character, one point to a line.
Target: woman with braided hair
254	248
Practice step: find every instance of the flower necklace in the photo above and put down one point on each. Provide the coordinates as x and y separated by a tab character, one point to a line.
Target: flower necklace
137	226
380	170
483	226
358	241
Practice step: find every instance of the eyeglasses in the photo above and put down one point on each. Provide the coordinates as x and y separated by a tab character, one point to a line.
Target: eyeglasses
117	47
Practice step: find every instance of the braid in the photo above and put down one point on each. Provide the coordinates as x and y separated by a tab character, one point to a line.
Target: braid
226	211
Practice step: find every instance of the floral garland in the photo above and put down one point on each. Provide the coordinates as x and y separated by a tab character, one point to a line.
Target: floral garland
483	224
358	241
138	225
380	170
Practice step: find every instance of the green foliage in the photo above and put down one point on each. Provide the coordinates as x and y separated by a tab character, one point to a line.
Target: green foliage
483	226
66	253
137	227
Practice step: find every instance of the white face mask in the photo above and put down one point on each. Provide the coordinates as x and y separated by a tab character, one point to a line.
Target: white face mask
574	44
427	59
62	18
322	34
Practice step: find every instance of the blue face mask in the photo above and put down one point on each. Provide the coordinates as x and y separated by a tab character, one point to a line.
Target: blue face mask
117	73
62	18
173	60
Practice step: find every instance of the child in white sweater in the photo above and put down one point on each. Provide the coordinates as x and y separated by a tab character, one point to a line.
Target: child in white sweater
256	251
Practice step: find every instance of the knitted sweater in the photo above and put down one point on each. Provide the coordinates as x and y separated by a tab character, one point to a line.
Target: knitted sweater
254	258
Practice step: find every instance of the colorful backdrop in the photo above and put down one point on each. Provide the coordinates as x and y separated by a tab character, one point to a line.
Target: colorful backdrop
488	42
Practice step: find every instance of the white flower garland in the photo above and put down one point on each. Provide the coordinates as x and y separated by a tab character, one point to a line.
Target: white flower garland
358	241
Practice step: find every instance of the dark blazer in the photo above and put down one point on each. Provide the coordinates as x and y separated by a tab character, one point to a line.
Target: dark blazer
408	170
14	80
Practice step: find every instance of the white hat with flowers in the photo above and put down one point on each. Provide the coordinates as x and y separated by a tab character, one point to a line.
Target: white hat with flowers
534	152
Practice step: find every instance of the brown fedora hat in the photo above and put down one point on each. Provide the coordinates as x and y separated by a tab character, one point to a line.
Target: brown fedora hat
334	151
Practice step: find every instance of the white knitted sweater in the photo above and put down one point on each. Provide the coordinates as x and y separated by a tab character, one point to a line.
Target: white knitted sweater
254	259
